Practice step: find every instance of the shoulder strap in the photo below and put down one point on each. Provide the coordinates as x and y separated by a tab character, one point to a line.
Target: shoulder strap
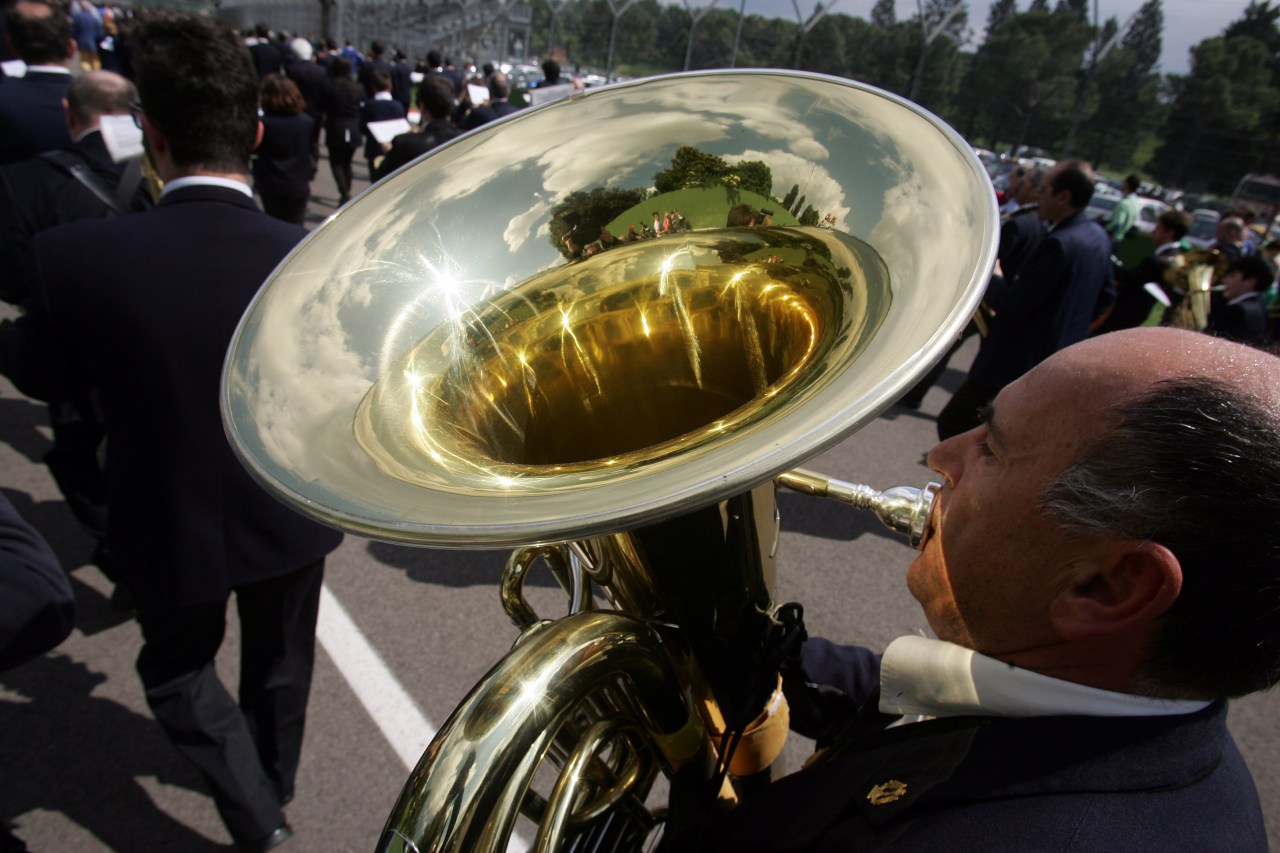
75	167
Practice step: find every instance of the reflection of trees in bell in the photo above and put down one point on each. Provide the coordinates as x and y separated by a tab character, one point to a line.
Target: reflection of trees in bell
580	219
698	190
809	216
692	167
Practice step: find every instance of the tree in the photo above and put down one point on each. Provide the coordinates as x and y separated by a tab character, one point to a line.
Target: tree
884	14
577	220
1028	71
692	167
1128	89
1218	115
1000	11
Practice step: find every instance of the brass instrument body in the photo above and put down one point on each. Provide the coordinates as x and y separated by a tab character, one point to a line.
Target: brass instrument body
1191	275
433	367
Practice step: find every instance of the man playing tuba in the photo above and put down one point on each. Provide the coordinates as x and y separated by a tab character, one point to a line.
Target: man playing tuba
1099	585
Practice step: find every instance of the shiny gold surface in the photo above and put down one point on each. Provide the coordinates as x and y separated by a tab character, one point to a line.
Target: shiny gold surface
464	794
625	360
516	372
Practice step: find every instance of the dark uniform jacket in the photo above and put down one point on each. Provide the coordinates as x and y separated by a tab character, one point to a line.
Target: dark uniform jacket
147	304
408	147
36	195
32	118
1064	783
1063	284
282	164
1244	321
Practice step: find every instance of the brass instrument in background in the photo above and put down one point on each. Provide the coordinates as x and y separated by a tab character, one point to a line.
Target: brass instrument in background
1191	276
484	351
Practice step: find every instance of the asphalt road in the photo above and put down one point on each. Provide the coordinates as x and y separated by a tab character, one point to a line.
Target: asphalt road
86	769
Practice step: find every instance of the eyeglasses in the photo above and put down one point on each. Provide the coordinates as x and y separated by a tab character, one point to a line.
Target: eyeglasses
135	110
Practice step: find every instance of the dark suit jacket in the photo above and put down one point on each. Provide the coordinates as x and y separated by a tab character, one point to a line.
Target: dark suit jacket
282	165
402	84
36	195
484	115
147	304
31	115
365	75
38	609
266	58
1245	321
1019	236
1062	285
340	104
1133	303
408	147
310	78
374	110
1062	783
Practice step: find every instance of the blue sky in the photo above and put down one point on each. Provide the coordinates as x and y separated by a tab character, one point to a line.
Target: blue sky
1186	22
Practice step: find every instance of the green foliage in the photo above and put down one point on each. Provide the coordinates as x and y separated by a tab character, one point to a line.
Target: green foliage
1035	77
692	167
578	219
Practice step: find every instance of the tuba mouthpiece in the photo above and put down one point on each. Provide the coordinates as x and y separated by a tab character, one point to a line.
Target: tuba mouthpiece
902	509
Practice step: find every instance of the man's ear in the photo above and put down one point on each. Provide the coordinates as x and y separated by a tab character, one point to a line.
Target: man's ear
72	50
1130	583
257	137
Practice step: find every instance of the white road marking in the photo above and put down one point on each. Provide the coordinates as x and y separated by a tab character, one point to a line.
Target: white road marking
393	710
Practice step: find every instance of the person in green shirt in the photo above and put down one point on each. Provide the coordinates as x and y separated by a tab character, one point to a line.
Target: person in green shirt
1126	212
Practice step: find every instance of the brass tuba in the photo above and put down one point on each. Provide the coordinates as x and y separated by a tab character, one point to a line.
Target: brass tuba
596	332
1190	276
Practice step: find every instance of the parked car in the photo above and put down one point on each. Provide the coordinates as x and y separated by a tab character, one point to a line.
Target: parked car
1105	198
1149	209
1204	227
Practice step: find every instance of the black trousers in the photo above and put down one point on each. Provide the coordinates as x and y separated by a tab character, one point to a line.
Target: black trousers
288	208
340	156
247	751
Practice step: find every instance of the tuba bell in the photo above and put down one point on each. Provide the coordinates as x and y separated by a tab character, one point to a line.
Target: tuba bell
1190	276
597	332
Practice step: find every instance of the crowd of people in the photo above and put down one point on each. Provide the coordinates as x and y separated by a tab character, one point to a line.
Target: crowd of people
1098	572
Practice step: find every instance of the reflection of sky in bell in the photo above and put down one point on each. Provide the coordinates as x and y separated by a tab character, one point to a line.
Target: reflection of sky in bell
471	221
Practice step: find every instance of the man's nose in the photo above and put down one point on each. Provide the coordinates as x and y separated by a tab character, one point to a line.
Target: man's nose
947	456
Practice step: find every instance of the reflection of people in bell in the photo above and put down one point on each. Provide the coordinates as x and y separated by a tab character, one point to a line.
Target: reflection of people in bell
1098	586
741	216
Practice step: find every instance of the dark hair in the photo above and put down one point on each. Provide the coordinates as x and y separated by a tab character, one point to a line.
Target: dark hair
1177	223
551	68
435	96
1076	177
433	58
381	80
99	93
280	96
1256	268
40	35
1194	465
1133	182
199	87
375	48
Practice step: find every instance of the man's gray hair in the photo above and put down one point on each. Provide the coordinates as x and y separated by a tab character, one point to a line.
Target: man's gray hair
1194	465
99	93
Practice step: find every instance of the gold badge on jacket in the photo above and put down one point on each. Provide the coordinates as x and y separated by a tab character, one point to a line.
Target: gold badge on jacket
887	792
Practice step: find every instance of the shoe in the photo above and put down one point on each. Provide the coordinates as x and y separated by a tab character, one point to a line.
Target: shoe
271	841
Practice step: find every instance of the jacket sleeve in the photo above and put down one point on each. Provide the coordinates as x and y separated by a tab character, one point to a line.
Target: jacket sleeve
37	609
33	352
1041	275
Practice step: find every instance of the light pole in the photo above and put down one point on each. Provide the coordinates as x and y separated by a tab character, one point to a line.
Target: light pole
929	35
805	25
